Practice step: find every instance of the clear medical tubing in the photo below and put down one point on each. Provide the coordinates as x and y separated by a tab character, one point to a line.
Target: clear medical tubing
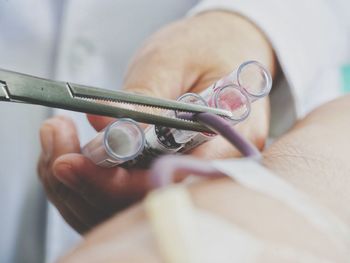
229	97
235	92
182	136
251	81
164	169
252	77
119	142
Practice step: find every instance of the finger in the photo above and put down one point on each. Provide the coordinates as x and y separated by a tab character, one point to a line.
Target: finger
172	63
72	219
152	73
99	122
165	66
61	206
165	71
58	136
115	187
79	213
49	153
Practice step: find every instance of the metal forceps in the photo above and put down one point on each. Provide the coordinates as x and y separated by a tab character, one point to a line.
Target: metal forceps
18	87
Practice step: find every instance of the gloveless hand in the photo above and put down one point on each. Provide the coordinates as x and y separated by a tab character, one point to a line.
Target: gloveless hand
186	56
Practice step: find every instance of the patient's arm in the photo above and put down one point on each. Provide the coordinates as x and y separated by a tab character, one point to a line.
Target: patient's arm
313	156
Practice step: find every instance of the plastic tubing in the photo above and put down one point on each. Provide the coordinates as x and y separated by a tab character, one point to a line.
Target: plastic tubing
165	168
119	142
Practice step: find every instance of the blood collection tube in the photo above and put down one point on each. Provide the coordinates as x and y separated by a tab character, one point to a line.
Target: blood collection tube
252	77
184	136
161	140
235	92
229	97
119	142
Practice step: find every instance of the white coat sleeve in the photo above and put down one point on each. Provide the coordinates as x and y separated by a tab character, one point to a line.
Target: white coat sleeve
307	38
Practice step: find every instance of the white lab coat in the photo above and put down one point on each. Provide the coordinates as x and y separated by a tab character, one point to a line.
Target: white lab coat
91	41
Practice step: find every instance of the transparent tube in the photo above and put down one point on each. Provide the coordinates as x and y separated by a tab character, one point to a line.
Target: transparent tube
255	79
183	136
228	97
119	142
234	92
161	140
231	98
168	140
252	77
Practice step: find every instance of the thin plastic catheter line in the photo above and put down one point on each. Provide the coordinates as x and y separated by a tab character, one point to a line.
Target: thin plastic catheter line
225	129
164	169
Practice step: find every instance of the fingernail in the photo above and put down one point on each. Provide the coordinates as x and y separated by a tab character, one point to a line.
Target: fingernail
46	136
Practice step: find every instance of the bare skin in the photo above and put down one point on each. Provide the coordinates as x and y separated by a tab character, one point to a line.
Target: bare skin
185	56
299	157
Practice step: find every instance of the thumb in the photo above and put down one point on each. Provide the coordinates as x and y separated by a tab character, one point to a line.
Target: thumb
159	73
152	75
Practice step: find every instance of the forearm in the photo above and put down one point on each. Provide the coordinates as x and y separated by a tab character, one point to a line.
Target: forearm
129	236
314	156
